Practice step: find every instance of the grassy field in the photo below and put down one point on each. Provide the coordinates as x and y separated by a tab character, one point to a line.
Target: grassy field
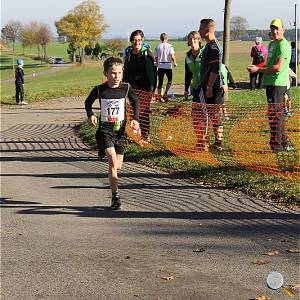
53	49
78	80
30	65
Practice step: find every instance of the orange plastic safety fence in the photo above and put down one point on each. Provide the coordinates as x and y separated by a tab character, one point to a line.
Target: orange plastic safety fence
256	136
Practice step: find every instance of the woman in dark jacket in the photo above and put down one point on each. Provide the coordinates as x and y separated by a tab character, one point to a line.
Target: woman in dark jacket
139	71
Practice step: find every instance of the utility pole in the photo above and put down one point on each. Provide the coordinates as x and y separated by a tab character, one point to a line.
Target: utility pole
296	37
226	32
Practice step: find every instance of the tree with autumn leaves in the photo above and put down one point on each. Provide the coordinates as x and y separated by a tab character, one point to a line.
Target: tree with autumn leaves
83	26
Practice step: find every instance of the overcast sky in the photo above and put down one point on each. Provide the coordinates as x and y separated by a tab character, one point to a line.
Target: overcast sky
176	17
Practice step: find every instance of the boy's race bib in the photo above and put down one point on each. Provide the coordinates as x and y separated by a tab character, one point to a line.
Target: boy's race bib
112	110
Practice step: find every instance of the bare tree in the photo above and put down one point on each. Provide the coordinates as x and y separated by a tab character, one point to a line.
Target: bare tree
44	36
238	26
27	37
115	45
33	30
11	32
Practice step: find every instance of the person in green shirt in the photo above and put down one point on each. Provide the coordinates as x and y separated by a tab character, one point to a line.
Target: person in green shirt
192	80
192	66
276	79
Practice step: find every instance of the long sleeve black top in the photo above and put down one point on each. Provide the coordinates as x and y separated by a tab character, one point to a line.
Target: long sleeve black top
103	91
19	75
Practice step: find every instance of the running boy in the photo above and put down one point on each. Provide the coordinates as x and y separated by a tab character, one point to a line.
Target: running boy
111	134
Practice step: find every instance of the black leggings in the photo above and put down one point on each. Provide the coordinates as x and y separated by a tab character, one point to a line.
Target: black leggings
161	73
19	92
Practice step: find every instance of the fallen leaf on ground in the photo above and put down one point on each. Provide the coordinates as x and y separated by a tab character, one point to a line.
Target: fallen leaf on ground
262	297
127	257
289	291
296	286
293	250
168	277
199	250
261	262
271	253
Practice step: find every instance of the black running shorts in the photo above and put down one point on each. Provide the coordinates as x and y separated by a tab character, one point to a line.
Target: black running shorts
106	137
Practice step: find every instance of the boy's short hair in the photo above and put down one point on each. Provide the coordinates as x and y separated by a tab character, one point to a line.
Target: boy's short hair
208	22
163	36
195	35
110	62
135	33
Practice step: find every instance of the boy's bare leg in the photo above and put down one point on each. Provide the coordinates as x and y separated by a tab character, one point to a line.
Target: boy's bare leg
286	99
289	105
115	162
218	131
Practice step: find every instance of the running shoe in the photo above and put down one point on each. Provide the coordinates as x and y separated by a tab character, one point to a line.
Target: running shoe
101	154
115	202
165	98
217	146
286	148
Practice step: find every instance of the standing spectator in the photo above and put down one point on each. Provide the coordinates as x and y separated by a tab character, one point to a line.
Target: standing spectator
293	62
192	80
139	73
259	54
19	82
164	56
211	80
276	80
192	66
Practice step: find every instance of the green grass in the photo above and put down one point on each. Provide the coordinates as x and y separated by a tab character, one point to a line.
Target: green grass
53	49
280	190
77	81
30	65
73	81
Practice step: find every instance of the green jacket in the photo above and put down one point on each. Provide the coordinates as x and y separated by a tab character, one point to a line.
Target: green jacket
192	70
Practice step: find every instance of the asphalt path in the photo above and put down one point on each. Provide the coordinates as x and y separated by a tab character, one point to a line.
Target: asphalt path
31	75
173	239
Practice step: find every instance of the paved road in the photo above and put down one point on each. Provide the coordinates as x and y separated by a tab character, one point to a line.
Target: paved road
59	241
29	72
